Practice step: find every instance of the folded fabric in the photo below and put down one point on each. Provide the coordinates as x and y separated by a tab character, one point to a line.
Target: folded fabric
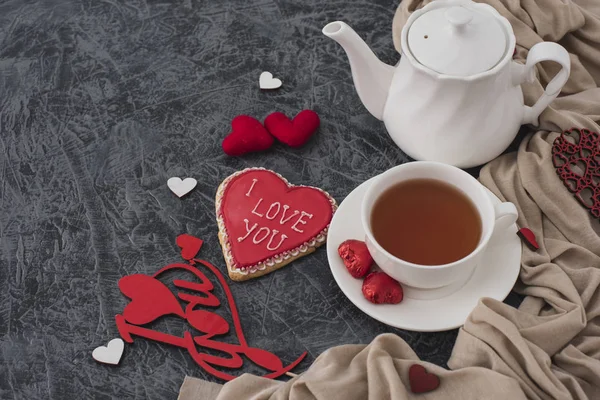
373	372
549	348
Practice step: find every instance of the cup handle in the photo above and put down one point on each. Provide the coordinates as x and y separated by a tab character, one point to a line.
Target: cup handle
506	215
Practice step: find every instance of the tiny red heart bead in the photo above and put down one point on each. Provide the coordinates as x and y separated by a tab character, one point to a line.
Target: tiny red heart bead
422	381
248	135
294	132
529	237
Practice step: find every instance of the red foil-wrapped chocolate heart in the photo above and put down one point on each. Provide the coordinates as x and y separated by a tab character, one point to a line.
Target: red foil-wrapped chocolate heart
356	257
380	288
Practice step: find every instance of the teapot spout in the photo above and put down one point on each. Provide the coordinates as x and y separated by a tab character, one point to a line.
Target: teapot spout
372	78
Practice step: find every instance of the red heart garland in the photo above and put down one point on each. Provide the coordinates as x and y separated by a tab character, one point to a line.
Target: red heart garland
422	381
247	136
575	155
296	132
190	246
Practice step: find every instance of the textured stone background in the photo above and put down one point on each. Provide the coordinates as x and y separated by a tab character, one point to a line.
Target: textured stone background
101	102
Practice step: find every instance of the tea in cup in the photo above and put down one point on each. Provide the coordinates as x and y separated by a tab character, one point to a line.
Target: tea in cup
427	225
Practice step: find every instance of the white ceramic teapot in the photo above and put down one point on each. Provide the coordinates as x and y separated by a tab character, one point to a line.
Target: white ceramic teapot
455	95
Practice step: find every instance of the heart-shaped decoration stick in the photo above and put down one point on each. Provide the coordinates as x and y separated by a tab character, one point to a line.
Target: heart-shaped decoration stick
267	82
111	353
181	187
422	381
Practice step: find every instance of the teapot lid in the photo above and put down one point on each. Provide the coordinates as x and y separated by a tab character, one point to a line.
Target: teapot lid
459	40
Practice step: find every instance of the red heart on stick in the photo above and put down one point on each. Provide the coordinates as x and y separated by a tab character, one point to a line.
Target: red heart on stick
294	132
190	246
247	136
422	381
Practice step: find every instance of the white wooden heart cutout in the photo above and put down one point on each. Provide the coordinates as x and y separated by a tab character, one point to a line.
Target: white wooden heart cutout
111	353
181	187
267	81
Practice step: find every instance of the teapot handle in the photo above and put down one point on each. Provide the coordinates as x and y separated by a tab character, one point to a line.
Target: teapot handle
546	51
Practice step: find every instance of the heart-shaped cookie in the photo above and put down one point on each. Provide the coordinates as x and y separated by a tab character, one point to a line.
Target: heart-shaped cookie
111	353
422	381
265	222
248	135
294	132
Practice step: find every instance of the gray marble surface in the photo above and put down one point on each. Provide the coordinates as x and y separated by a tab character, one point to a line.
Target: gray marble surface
101	102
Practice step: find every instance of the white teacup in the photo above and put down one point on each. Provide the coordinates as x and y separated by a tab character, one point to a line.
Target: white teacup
425	281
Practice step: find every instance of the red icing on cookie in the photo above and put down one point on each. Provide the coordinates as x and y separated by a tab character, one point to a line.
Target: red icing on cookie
264	219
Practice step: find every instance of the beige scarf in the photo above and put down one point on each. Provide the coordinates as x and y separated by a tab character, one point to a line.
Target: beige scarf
549	348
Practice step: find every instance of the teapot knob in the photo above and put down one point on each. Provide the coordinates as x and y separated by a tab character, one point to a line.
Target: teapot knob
458	17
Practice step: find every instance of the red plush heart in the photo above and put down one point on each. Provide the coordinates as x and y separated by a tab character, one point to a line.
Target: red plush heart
296	132
190	246
380	288
529	237
150	299
421	381
265	217
247	136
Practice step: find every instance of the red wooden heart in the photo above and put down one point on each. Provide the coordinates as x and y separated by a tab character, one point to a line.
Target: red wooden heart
150	299
264	219
529	237
296	132
420	380
247	136
190	246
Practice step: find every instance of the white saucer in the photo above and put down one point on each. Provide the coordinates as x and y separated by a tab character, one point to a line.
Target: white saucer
494	278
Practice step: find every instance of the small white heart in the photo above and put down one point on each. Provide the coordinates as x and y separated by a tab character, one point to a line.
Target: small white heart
110	354
267	81
181	187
